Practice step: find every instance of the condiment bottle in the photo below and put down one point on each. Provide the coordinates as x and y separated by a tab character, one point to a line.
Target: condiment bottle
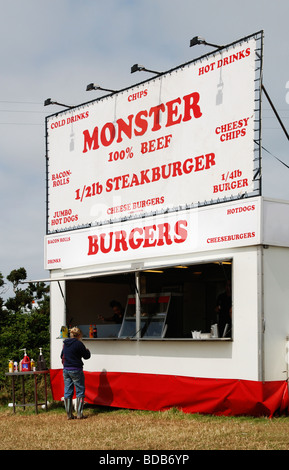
26	365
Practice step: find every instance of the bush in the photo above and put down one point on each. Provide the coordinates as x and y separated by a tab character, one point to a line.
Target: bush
24	323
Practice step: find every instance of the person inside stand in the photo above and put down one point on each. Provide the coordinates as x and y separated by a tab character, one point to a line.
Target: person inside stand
224	311
72	354
117	313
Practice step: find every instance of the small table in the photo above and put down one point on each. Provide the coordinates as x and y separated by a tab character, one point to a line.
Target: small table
35	374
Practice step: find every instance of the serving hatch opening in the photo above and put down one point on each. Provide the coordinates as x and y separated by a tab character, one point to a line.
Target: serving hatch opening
174	301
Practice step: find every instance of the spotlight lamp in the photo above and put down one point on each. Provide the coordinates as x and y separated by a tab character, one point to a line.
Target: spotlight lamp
141	68
92	86
49	101
198	40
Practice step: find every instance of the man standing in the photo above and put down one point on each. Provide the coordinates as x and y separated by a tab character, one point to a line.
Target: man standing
72	354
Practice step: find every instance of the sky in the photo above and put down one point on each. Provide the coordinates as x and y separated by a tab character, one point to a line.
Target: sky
53	49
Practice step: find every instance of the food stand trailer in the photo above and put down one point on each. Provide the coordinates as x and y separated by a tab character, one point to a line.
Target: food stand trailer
154	200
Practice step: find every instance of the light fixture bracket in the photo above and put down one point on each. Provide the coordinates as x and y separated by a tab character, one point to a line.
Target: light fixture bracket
49	101
93	86
141	68
198	40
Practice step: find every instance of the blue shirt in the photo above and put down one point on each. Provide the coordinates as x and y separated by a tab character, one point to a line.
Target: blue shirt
72	353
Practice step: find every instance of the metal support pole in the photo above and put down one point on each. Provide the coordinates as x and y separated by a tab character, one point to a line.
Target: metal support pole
137	305
35	393
23	392
275	112
13	393
45	388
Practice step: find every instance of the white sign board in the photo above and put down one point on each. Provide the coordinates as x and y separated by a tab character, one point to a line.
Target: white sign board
184	137
227	225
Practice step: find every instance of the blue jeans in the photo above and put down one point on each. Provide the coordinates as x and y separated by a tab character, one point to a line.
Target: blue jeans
73	378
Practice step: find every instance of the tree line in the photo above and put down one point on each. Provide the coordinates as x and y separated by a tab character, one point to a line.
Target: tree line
24	321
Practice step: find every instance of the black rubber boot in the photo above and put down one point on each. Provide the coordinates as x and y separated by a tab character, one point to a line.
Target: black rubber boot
79	408
68	408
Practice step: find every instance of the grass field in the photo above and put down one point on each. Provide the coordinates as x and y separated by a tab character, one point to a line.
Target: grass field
118	429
